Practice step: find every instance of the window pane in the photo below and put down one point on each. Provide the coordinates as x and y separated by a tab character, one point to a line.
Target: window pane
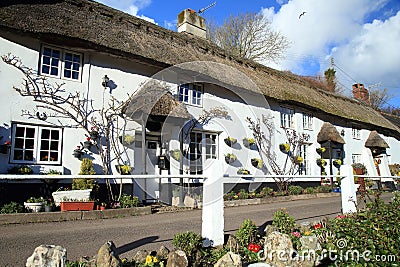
68	56
20	131
44	145
28	155
18	154
75	75
55	134
54	62
68	64
45	134
29	143
47	52
67	73
56	53
19	143
54	145
44	156
30	132
75	66
46	60
77	58
54	71
53	156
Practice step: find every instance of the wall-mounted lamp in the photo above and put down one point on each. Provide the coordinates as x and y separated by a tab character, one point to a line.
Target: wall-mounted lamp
105	81
342	133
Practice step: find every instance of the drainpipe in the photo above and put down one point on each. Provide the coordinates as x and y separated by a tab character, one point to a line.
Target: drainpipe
144	189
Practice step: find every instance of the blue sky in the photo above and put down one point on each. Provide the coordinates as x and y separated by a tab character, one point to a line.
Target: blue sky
362	36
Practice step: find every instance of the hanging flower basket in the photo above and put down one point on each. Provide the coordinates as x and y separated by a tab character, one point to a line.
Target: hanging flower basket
359	168
230	158
320	150
284	148
257	163
87	144
298	160
78	153
249	141
337	163
243	171
230	141
321	162
176	154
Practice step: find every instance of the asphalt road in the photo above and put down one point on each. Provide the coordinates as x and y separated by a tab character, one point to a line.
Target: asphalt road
84	238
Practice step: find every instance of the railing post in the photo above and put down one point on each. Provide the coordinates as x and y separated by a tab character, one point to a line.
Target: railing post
348	189
212	227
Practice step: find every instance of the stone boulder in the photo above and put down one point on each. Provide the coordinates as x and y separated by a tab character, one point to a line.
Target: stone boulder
48	255
177	258
269	229
162	252
230	259
307	256
107	256
232	244
140	256
278	249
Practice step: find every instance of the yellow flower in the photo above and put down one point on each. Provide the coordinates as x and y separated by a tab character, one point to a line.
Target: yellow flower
149	259
155	259
307	233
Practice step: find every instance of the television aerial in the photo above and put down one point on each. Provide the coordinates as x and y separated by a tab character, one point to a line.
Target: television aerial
205	8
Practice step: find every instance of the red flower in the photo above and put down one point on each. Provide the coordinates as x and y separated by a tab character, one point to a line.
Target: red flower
88	138
340	216
317	226
254	247
7	143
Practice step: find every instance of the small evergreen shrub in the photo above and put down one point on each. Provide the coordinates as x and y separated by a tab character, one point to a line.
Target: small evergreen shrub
127	201
295	190
82	183
285	223
188	242
247	233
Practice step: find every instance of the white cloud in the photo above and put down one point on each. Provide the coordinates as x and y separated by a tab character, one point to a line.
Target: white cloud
131	7
365	51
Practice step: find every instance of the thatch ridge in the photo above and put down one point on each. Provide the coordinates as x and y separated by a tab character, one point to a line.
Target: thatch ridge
91	25
328	132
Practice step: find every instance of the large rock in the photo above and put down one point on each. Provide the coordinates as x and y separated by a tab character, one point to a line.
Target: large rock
107	256
177	258
278	249
310	243
307	256
47	256
162	252
232	244
269	229
230	259
140	256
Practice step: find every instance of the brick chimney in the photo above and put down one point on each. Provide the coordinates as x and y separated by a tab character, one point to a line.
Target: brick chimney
360	93
190	22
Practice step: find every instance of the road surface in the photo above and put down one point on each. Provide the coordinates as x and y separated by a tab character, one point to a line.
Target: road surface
84	238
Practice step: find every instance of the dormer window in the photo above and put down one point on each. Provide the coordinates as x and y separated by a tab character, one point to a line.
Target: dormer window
191	93
60	63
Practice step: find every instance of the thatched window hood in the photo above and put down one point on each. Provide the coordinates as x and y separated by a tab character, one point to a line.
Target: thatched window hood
375	141
329	133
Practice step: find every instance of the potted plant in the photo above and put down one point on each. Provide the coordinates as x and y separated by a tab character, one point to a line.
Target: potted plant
24	169
257	163
359	168
68	204
49	205
230	158
298	160
34	204
320	150
230	141
82	187
248	141
284	148
78	152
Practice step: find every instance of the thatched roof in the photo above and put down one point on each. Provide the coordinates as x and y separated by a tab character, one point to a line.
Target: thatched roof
90	25
154	99
375	141
329	133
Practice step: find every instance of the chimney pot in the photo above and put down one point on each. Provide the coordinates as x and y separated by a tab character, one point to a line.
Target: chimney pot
190	22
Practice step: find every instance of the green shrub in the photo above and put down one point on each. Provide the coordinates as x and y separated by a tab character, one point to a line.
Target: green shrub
285	223
24	169
295	190
243	194
266	192
189	242
12	207
323	189
247	233
127	201
310	190
82	183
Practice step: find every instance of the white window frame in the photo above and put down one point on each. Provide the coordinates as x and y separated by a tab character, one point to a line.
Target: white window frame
191	94
287	118
37	145
355	133
308	121
303	152
208	150
62	63
356	158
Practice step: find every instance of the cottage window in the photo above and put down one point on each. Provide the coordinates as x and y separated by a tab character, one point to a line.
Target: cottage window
287	118
305	167
60	63
190	94
202	146
35	144
307	121
356	158
355	133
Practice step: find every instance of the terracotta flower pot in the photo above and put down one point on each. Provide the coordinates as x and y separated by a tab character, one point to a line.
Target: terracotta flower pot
76	205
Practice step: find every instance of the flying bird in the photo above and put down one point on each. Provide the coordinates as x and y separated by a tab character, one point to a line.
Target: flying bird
304	12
